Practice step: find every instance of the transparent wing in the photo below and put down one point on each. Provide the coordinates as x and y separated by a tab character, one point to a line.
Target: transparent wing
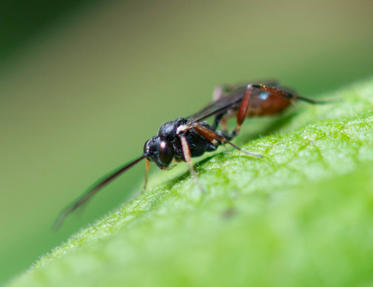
232	97
217	107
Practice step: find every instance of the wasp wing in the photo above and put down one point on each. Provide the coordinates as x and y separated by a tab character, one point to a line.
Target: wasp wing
232	96
218	106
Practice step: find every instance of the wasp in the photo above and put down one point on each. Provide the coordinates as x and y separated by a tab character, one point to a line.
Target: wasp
185	138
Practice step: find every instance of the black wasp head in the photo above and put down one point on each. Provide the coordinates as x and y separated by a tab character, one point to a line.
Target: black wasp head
160	151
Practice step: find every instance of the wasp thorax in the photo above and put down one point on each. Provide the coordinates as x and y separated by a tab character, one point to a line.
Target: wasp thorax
160	151
168	130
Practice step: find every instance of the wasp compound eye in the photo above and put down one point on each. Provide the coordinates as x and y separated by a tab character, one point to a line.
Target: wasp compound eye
159	151
166	153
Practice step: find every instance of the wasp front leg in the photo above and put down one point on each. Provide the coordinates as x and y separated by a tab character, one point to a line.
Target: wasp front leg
188	158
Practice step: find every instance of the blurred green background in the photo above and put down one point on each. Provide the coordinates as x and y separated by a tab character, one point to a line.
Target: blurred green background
84	83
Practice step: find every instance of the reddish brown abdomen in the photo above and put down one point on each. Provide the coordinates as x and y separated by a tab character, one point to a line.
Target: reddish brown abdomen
263	103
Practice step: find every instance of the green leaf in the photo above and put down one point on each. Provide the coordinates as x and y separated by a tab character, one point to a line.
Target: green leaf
301	216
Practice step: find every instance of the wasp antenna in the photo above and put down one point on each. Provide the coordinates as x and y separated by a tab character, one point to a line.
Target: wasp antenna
318	102
92	191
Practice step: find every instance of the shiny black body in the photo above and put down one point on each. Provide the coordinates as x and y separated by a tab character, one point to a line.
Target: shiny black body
166	146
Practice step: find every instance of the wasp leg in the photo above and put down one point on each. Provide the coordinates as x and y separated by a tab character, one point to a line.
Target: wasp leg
188	159
242	111
215	137
147	167
220	119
